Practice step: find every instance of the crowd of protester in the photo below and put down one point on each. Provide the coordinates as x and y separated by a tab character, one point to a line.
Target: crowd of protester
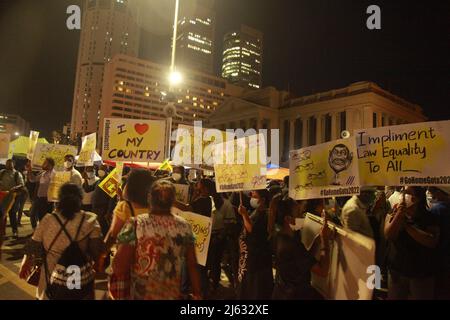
149	252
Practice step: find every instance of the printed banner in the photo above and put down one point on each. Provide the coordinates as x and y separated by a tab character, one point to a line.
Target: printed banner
201	227
127	140
4	145
412	154
87	152
241	164
34	136
58	179
194	148
324	171
110	184
182	192
347	250
55	151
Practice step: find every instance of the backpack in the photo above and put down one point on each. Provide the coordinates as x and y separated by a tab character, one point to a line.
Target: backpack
62	283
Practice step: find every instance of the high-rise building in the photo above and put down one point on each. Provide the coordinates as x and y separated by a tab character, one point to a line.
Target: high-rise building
14	124
195	37
132	89
243	57
109	27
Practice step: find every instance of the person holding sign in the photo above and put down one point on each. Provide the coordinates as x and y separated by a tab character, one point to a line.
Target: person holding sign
89	182
75	176
41	205
152	248
255	263
413	235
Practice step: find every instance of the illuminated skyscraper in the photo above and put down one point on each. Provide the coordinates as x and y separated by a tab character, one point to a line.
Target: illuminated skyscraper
195	41
109	27
243	57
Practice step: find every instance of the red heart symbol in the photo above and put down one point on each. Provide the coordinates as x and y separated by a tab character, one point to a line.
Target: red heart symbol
141	128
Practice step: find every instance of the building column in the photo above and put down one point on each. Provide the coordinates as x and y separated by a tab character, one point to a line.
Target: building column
304	132
334	126
319	127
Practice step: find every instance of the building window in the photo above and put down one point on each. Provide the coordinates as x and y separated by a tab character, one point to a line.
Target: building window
327	128
374	120
298	134
287	130
343	121
383	121
312	127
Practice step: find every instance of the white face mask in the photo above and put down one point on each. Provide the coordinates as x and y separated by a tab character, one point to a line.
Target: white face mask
91	175
101	173
176	176
254	203
68	164
430	201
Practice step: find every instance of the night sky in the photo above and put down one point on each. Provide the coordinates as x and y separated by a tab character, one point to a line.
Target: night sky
310	46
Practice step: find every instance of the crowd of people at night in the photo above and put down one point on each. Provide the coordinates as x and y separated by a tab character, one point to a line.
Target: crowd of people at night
149	253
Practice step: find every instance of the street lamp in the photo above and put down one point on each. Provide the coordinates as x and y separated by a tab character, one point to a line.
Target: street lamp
16	134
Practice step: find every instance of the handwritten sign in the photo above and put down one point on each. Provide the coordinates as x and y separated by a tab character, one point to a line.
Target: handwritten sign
182	192
110	184
58	179
413	154
201	227
195	146
241	164
324	171
34	136
55	151
4	145
87	152
127	140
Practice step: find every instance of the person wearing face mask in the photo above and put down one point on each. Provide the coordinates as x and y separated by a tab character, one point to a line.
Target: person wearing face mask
293	262
75	176
255	279
412	257
102	204
89	183
41	205
354	215
439	205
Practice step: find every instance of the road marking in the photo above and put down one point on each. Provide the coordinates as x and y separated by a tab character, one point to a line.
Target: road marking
15	280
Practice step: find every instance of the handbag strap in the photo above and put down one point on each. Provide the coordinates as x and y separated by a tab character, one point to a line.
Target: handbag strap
131	209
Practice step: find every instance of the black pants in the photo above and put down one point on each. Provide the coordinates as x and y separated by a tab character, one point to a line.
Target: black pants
215	254
40	208
102	217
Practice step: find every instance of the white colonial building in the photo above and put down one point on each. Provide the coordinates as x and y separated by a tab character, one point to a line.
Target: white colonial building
317	118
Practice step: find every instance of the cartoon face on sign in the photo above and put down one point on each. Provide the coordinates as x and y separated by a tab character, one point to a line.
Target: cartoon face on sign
340	158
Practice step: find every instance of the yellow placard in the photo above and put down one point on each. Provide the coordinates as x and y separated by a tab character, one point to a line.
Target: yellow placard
241	164
201	227
55	151
87	153
127	140
58	179
323	171
110	184
34	136
4	145
182	192
412	154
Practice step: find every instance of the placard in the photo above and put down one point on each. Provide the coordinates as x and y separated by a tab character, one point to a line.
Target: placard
59	178
182	192
33	140
87	152
110	184
4	145
55	151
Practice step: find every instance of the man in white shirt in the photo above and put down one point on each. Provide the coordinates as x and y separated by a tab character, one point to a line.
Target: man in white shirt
354	213
75	176
41	205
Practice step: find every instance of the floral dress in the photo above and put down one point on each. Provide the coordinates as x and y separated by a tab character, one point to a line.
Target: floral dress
161	244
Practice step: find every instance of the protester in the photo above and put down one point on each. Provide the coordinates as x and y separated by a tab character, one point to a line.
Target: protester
439	203
11	181
102	203
152	248
135	203
41	205
255	263
354	215
413	235
294	263
55	234
89	182
178	175
75	175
